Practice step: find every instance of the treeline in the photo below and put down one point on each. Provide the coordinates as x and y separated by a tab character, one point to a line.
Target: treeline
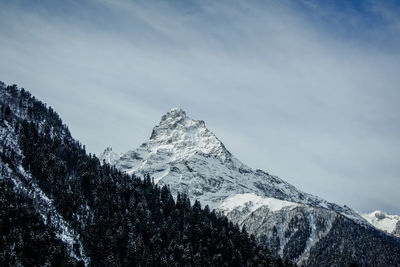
122	220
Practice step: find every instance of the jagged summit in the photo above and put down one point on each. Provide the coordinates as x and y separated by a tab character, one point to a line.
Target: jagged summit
177	118
174	115
184	137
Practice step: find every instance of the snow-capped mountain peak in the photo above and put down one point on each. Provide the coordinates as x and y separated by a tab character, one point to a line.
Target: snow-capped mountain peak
183	154
184	137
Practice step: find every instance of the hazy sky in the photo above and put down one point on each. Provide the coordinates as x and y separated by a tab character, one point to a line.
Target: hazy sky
306	90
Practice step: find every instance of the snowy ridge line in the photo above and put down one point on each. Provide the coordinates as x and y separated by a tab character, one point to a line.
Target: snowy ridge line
255	202
186	156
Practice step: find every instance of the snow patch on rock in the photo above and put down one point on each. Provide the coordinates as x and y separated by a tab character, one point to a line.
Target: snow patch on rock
253	202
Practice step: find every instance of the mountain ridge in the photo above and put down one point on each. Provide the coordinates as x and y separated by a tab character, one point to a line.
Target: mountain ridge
184	139
61	207
184	155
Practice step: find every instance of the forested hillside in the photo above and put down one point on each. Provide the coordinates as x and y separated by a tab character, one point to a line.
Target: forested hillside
60	206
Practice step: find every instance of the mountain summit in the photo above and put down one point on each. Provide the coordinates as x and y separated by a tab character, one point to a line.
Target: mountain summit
173	116
184	137
183	154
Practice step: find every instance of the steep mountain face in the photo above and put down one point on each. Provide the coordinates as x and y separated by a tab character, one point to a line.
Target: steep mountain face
383	221
60	207
183	154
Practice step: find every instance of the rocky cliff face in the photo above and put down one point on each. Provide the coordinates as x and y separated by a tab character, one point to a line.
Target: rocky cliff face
185	155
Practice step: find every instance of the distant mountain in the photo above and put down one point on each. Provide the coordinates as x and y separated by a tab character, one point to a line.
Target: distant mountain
184	155
383	221
108	156
60	207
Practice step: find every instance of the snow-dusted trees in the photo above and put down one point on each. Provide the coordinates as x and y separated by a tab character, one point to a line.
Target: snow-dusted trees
121	220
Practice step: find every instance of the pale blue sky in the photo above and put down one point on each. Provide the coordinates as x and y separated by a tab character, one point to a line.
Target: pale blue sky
306	90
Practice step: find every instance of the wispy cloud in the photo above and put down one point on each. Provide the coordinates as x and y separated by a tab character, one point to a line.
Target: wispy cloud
306	90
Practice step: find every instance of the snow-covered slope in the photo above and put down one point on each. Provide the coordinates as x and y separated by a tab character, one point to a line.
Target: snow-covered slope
185	155
384	221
